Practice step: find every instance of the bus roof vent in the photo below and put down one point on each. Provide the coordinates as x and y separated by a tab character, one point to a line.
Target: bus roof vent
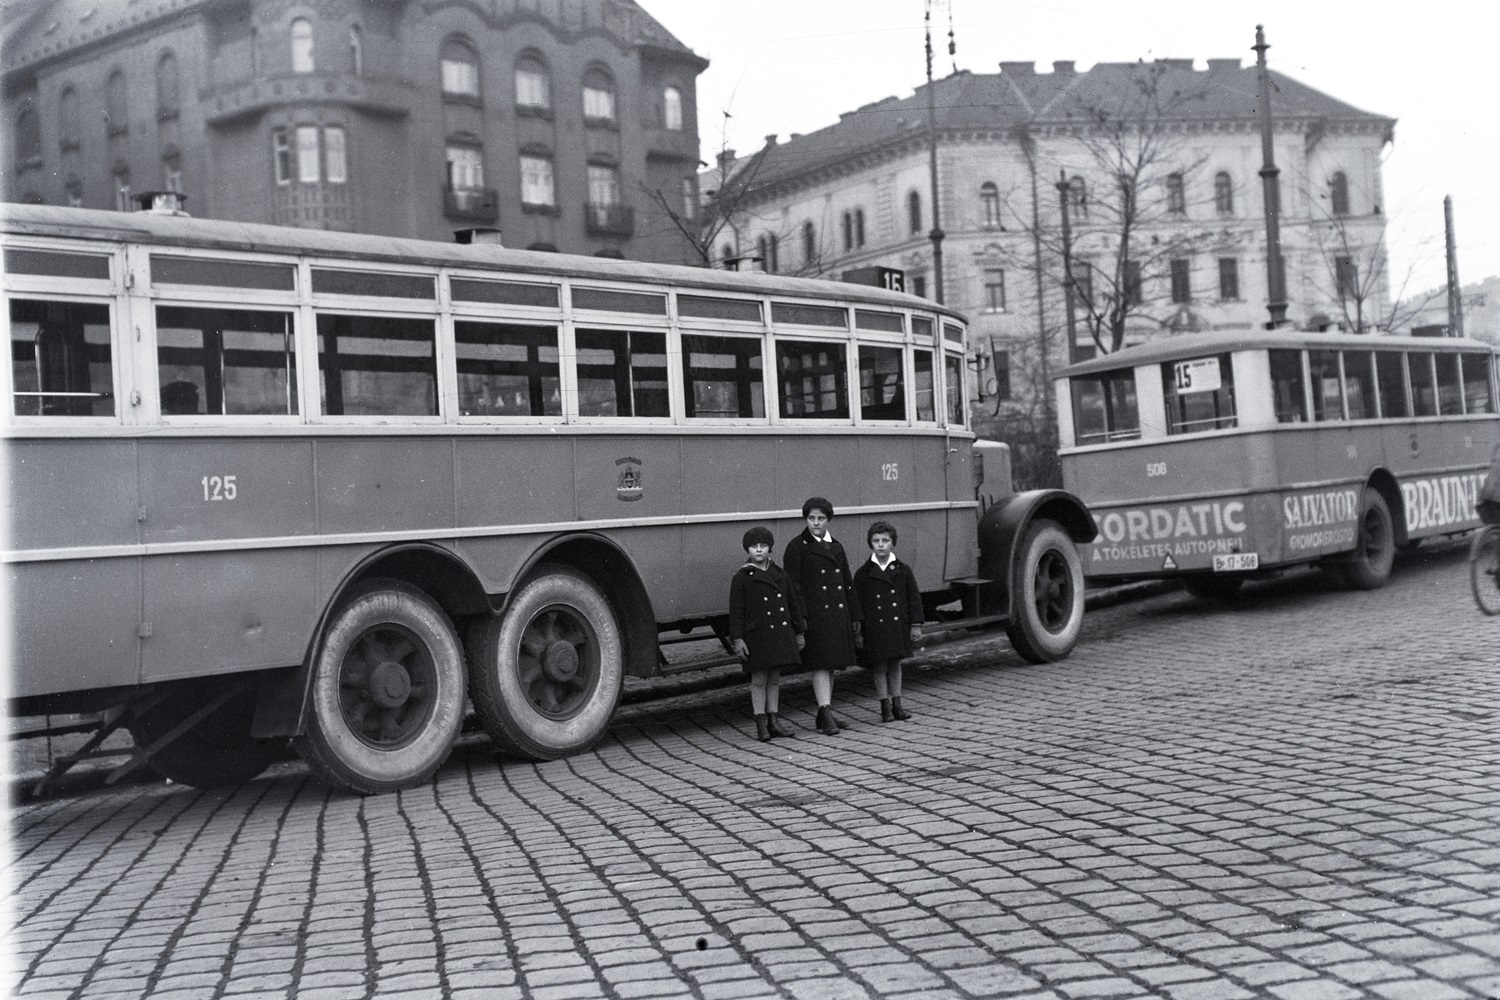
468	236
161	202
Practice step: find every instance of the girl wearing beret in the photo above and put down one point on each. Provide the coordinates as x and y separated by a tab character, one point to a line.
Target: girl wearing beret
820	577
765	628
892	607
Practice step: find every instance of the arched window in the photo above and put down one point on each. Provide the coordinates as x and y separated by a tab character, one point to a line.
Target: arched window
28	139
356	51
989	204
726	251
460	69
166	86
914	212
598	96
671	109
767	246
809	244
67	116
117	108
1078	197
848	231
302	46
1223	193
859	227
1338	186
533	85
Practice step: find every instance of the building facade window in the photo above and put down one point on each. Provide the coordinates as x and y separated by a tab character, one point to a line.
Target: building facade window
465	167
356	51
74	190
598	97
919	285
690	198
604	186
1176	194
994	290
859	227
122	190
166	86
1083	283
989	205
768	253
117	106
914	212
281	156
1135	287
302	46
536	182
1182	285
809	244
307	154
335	155
1078	197
28	139
1346	276
848	231
459	64
671	109
1223	193
1002	374
67	115
1338	186
1229	279
533	86
171	175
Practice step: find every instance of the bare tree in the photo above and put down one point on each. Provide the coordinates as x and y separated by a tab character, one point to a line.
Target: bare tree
716	209
1354	269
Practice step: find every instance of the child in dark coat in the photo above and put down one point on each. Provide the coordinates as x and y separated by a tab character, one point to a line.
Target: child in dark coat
765	628
819	571
892	607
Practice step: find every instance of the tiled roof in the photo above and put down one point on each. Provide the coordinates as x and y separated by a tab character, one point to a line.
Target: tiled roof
1018	95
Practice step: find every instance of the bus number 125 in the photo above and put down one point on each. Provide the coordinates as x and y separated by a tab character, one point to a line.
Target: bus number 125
219	488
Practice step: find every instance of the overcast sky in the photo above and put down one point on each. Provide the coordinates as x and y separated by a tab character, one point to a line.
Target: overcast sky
789	66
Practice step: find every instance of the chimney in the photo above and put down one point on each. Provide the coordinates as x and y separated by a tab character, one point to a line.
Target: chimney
726	159
1223	65
161	202
1018	68
771	139
1062	67
473	237
1186	64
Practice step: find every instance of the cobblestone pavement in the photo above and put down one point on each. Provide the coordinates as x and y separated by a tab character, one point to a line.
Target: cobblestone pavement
1294	796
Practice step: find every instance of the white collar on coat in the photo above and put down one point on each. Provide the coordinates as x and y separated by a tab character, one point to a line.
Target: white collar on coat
826	539
876	560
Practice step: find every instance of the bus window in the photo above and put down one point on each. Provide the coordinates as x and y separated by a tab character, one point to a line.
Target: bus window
506	370
882	391
814	379
1359	385
953	387
1104	407
62	363
1287	384
1328	399
1392	381
1199	394
622	373
1423	391
1476	371
225	362
377	366
923	374
723	376
1450	388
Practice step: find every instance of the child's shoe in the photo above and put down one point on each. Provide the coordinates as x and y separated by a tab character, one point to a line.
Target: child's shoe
762	730
885	710
773	726
897	710
826	725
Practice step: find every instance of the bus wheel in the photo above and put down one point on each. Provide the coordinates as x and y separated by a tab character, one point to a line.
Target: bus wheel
1212	587
215	752
388	691
1369	565
546	676
1047	589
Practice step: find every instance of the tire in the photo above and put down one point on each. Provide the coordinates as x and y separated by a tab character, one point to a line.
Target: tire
545	677
388	691
1212	586
1369	565
1484	569
1047	594
218	751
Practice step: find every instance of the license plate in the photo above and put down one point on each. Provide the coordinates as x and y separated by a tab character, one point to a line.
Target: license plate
1236	561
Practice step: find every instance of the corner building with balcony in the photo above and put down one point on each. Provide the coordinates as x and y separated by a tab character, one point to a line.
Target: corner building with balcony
567	124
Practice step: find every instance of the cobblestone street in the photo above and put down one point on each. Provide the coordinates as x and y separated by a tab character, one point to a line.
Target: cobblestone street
1296	795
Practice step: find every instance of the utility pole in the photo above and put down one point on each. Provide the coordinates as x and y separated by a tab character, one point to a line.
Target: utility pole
1275	271
937	230
1028	147
1455	295
1068	286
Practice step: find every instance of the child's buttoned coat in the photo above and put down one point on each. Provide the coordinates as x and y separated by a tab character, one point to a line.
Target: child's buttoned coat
892	604
765	612
820	575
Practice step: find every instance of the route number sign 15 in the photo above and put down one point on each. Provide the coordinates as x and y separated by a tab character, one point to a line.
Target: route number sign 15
1198	375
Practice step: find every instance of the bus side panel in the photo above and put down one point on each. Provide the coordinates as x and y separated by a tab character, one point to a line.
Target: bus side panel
627	477
384	484
73	625
924	544
513	480
735	473
221	612
814	466
67	493
226	488
961	558
656	553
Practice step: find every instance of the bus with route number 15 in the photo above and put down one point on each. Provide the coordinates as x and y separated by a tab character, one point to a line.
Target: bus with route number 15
1218	457
273	484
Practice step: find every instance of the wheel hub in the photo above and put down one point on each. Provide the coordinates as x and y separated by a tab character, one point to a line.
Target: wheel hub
560	661
390	685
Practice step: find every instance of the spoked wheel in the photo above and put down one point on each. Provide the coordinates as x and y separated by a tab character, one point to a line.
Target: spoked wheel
214	752
1047	594
388	692
1484	569
546	676
1369	565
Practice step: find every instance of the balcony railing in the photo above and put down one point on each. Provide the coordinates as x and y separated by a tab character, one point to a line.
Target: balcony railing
471	204
609	220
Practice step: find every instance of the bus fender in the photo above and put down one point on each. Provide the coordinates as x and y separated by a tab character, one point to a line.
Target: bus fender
1003	525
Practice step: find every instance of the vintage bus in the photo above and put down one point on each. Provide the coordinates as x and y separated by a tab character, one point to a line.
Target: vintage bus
1216	457
271	483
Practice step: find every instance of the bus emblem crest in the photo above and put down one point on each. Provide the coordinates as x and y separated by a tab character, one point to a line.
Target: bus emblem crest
629	487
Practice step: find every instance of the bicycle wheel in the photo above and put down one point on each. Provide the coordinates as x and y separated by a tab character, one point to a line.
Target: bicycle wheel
1484	569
